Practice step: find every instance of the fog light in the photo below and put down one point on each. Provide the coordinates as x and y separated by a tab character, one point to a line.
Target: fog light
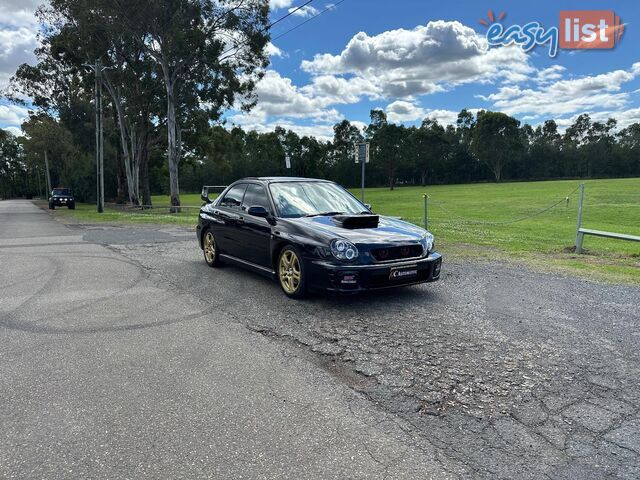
436	268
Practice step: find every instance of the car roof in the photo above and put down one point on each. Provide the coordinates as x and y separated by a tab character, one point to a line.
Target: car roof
282	179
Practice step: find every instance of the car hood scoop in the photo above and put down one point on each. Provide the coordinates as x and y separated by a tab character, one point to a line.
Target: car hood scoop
356	221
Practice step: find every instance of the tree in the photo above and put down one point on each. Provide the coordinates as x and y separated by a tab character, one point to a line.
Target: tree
340	162
208	52
12	168
629	146
69	165
76	33
430	147
387	142
495	140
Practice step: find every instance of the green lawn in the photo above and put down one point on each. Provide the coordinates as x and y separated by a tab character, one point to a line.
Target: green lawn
466	220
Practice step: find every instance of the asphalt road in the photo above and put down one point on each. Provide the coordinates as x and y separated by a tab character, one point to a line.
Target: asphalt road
122	355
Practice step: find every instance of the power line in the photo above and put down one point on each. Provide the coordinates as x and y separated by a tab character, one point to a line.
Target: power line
268	27
291	12
331	7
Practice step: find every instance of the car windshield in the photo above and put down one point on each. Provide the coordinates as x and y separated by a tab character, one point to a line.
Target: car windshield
61	191
300	199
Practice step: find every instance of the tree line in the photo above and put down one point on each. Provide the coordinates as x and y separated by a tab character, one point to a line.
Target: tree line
171	68
488	146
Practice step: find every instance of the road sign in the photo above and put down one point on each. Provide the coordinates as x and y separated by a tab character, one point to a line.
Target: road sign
362	153
287	161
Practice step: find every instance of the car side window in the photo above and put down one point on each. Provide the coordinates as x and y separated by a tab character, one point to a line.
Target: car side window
255	196
233	198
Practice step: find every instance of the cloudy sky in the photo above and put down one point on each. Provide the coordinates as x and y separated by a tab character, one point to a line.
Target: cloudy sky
412	58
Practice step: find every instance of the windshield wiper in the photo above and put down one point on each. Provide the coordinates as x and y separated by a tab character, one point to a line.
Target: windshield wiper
324	214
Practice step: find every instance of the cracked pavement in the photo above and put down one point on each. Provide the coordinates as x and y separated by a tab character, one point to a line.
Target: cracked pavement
503	372
493	372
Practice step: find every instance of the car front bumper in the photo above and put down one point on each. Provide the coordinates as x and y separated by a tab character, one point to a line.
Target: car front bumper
62	201
327	276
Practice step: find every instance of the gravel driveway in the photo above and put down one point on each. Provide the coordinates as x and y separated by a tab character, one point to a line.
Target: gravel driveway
502	371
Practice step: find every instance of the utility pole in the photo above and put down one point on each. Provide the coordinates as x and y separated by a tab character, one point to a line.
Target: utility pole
46	166
38	179
98	69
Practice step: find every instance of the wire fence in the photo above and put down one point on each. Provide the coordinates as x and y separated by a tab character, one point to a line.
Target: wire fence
459	219
451	216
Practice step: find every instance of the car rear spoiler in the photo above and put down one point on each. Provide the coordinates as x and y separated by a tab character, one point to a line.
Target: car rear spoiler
207	189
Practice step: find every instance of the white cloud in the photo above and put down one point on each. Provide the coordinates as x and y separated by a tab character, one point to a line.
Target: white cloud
566	96
15	131
277	4
304	12
18	13
279	99
401	111
13	115
274	51
550	74
624	117
339	90
321	131
446	117
16	47
405	63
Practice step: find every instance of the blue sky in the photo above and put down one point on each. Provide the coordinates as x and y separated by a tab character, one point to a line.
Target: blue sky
412	58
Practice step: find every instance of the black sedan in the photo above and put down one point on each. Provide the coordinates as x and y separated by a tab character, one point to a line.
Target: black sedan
313	235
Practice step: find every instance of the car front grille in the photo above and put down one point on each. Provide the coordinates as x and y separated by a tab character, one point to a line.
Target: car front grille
397	253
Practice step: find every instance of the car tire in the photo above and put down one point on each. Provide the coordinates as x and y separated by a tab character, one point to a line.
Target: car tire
72	206
210	249
52	206
291	273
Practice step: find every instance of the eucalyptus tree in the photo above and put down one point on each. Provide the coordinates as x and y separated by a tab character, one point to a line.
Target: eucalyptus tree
75	34
496	140
208	54
340	156
430	149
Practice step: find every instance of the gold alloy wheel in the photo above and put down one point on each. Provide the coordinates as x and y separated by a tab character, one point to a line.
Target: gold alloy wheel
289	271
209	247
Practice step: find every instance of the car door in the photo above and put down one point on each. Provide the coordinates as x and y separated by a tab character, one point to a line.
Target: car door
256	231
228	212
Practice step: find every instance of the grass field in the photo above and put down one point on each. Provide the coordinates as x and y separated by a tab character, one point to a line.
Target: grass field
480	220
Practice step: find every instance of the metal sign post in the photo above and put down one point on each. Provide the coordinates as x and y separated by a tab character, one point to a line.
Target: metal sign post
580	199
426	216
287	162
362	156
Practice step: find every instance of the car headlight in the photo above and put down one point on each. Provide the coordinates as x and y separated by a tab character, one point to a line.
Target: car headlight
427	242
343	250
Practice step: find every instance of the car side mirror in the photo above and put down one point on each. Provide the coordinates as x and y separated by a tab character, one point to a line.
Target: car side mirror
204	195
258	211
